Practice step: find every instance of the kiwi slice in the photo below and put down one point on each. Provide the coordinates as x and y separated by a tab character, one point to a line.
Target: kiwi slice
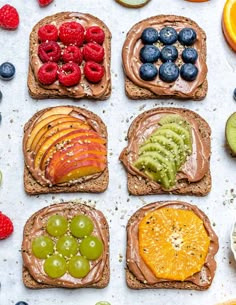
173	118
230	133
159	177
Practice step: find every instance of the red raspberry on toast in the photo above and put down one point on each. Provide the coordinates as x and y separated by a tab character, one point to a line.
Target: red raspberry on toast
69	74
72	53
6	226
49	51
48	32
95	34
9	17
93	71
71	33
93	52
47	73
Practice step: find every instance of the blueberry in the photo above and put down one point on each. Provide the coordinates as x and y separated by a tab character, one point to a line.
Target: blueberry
189	55
149	36
148	71
21	303
234	94
169	53
7	71
149	53
168	72
0	95
187	36
168	35
189	72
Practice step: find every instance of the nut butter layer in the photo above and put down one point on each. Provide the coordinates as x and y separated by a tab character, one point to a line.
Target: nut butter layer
85	89
140	276
192	178
136	88
34	275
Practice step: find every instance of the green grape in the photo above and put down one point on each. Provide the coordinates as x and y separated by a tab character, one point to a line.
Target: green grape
57	225
67	246
102	303
81	226
91	247
78	266
42	246
55	266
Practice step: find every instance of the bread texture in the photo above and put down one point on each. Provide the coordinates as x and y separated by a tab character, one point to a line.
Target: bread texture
138	185
141	90
40	91
202	283
95	185
32	283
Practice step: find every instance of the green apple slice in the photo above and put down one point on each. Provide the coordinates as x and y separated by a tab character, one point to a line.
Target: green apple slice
133	3
230	133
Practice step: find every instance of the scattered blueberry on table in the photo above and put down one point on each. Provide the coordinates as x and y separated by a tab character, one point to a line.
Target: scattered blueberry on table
21	303
234	94
7	71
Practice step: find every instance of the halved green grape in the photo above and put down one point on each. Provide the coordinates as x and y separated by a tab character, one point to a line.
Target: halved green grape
55	266
67	246
81	226
42	246
91	247
57	225
78	266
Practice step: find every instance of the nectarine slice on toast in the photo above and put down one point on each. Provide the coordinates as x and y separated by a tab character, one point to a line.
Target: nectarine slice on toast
55	110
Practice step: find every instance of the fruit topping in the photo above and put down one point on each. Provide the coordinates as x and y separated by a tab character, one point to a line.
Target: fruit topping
69	74
148	71
181	243
228	23
81	226
169	53
133	3
9	17
91	247
149	36
47	73
7	71
48	32
71	33
102	303
95	34
189	72
168	35
43	3
42	246
0	95
230	133
21	303
149	54
57	225
93	52
189	55
93	71
168	72
72	53
49	51
67	246
6	226
187	36
234	94
78	266
55	266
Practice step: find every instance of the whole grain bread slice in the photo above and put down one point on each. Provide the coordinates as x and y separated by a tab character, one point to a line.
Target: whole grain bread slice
95	185
137	92
39	91
32	283
138	185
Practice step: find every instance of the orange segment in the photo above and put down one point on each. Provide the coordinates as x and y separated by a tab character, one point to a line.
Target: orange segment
229	23
173	243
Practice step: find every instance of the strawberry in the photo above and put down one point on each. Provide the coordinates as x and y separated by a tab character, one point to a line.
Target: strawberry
6	226
44	2
9	17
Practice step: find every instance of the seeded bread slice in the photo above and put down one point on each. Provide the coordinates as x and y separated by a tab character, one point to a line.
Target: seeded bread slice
39	91
95	185
138	185
136	91
31	283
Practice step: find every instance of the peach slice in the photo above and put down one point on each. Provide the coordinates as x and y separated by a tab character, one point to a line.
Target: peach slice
54	111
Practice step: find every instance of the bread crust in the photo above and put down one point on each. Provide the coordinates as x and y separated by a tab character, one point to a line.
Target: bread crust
135	92
38	91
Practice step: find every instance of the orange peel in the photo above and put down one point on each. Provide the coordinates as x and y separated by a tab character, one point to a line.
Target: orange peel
229	23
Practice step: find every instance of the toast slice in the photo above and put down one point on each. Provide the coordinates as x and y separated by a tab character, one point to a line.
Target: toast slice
92	184
140	276
70	208
136	88
141	185
85	89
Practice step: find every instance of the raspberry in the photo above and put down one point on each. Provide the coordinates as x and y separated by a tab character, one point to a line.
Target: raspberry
95	34
71	33
72	53
47	73
48	32
44	2
69	74
49	51
6	226
93	52
93	71
9	17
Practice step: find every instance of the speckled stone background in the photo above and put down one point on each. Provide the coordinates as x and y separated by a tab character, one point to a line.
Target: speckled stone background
117	112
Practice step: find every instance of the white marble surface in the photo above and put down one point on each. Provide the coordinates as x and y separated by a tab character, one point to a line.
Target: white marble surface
17	107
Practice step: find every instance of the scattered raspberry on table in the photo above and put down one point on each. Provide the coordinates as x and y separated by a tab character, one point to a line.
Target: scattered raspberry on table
6	226
9	17
44	2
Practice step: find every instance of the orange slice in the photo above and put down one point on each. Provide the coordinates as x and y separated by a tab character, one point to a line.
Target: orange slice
173	243
229	23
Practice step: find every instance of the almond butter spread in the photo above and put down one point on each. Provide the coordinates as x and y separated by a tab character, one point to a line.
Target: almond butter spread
35	226
132	62
138	267
84	88
197	164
